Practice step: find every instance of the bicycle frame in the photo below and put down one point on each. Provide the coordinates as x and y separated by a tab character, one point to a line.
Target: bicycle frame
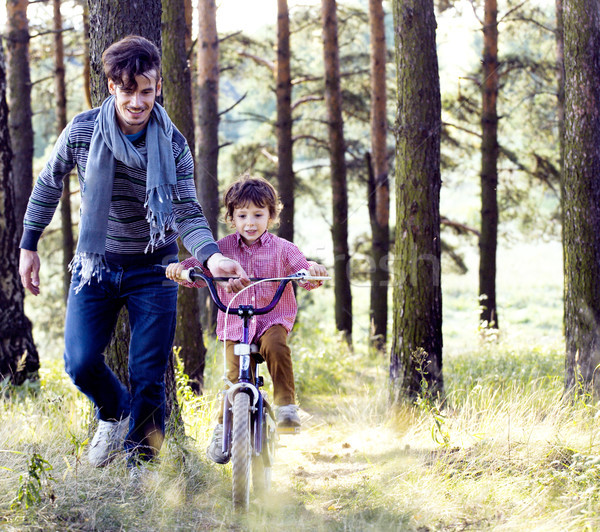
249	429
248	366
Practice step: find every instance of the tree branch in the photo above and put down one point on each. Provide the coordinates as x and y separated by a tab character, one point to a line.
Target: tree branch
317	140
234	34
460	128
510	11
307	99
535	23
51	32
459	227
232	106
475	11
259	60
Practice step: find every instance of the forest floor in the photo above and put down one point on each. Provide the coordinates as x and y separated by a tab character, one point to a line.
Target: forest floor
503	451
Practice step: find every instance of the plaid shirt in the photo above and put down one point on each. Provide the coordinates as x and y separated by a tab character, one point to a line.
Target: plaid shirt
269	256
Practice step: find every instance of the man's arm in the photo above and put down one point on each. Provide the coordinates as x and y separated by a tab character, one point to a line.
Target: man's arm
43	201
192	225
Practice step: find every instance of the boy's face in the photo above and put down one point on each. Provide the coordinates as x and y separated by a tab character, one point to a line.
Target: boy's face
134	103
251	222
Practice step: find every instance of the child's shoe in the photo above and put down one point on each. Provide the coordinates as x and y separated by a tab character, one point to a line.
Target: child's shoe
215	448
287	416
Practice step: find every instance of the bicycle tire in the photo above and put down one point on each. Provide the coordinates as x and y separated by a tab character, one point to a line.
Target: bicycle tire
241	451
262	465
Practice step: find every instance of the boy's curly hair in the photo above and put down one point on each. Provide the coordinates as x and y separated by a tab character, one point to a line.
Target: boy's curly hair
252	189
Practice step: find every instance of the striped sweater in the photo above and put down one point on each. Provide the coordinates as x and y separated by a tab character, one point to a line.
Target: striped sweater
128	231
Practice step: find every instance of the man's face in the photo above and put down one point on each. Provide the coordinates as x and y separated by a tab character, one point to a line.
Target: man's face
134	103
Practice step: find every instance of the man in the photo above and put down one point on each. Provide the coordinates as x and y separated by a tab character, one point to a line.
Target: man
137	195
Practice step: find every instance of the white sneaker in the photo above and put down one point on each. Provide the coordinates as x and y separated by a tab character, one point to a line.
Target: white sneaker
142	476
215	448
108	441
287	416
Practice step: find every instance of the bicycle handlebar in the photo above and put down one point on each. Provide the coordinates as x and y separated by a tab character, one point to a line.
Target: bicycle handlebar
192	275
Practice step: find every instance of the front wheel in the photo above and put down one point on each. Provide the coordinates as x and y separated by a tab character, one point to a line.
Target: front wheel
241	451
262	465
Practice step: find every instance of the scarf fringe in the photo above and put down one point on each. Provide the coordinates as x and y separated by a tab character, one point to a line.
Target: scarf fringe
91	265
160	221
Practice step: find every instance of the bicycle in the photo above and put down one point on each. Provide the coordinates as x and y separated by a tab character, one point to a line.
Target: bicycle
249	429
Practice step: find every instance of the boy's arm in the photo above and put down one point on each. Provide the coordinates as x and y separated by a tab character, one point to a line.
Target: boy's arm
296	261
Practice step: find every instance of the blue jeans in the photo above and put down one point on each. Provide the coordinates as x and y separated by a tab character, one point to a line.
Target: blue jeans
151	300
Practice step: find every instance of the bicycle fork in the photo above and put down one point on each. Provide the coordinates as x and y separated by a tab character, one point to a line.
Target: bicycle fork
257	405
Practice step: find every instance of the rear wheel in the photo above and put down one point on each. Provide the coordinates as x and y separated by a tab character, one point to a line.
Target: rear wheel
241	450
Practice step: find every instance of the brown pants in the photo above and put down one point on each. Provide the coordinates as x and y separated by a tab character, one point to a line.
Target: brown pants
274	349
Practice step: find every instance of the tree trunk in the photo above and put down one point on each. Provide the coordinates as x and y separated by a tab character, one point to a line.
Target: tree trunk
177	96
337	151
18	356
380	227
207	157
19	102
285	168
581	200
416	354
111	20
60	97
86	54
560	68
488	241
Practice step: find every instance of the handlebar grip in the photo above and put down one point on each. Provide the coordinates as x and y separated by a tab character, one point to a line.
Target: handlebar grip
186	275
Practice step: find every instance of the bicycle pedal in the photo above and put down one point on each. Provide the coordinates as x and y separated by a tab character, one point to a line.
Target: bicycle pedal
288	430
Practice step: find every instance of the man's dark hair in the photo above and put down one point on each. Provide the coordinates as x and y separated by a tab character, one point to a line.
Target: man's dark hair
130	57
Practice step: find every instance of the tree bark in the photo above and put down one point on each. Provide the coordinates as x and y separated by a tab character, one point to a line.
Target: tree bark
488	241
60	96
560	82
18	355
111	20
86	54
207	157
379	218
285	167
337	151
581	200
416	353
177	96
19	102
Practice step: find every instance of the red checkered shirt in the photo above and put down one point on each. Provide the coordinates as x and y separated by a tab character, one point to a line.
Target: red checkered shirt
269	256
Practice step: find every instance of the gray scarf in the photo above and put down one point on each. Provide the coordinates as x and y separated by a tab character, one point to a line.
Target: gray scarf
107	146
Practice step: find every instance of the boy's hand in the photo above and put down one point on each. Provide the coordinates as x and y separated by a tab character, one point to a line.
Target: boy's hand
221	266
174	271
316	270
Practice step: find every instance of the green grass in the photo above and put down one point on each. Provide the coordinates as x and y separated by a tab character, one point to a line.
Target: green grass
503	451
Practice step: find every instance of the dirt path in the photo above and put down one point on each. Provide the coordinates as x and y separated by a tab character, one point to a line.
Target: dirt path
331	466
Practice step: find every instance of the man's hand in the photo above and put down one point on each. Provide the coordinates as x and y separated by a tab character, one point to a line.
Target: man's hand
221	266
29	270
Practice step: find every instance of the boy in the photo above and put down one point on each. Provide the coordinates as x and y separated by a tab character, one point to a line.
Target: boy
252	206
